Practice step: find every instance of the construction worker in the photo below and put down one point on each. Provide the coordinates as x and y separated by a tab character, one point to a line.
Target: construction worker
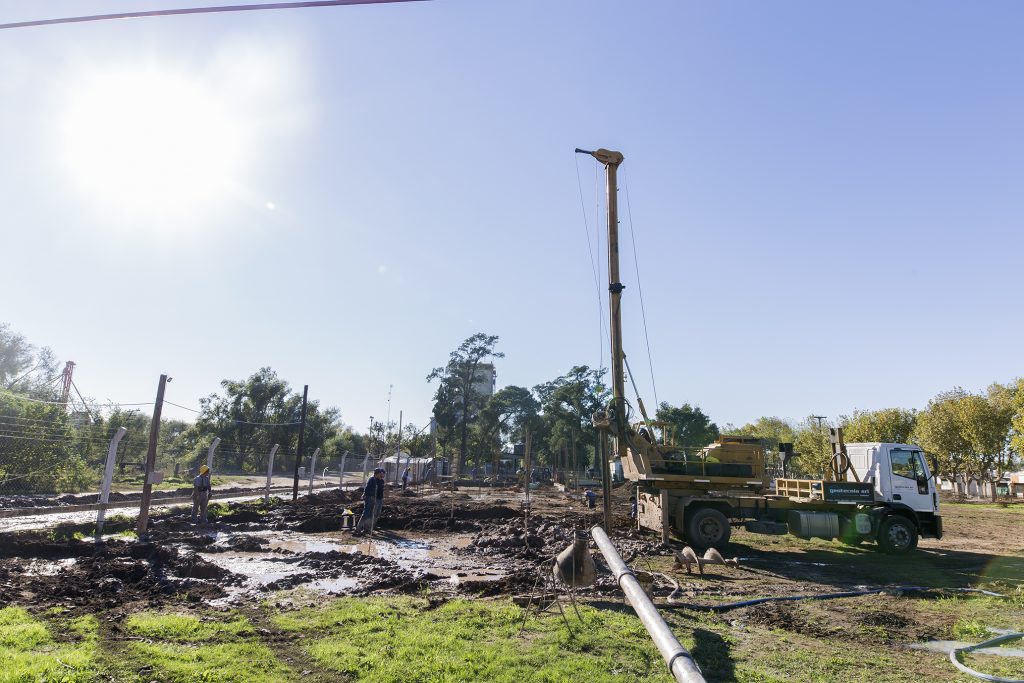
405	477
373	502
591	498
201	491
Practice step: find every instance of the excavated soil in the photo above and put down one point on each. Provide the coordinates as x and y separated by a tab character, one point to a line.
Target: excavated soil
445	544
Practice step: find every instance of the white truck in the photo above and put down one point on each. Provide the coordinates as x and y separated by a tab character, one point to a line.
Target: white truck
881	492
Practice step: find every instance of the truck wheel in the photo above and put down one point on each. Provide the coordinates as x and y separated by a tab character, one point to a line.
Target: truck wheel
707	528
897	535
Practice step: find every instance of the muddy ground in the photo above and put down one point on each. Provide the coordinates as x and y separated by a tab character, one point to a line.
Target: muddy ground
473	544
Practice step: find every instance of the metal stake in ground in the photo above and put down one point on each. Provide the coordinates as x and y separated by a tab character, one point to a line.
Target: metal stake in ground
154	434
302	435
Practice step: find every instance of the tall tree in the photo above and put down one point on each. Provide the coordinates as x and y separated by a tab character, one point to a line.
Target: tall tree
504	417
252	415
890	425
23	366
693	429
811	441
569	402
458	401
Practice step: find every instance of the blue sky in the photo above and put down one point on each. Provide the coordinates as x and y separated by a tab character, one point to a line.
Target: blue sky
825	197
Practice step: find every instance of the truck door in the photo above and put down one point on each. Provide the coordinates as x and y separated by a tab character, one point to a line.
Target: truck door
909	479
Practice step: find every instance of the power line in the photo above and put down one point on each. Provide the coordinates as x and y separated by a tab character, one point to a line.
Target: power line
196	10
593	267
640	290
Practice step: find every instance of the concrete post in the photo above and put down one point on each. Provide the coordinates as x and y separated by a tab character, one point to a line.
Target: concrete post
210	451
270	471
366	461
312	470
108	475
341	473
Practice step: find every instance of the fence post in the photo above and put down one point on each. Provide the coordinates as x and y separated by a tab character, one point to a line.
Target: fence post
108	475
366	461
312	471
270	471
154	435
209	453
341	474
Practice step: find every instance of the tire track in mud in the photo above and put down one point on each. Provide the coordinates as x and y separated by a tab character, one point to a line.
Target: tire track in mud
285	646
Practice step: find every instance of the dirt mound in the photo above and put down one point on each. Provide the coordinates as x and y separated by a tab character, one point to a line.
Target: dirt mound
777	615
111	574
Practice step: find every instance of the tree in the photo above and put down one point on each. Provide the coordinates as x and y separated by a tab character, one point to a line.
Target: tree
970	434
811	441
250	417
24	367
890	425
457	401
771	431
693	429
504	417
1016	389
568	403
940	432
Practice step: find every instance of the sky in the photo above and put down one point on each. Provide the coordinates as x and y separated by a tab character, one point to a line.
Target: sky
825	197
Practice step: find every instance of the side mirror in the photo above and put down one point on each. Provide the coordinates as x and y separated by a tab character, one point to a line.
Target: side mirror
933	463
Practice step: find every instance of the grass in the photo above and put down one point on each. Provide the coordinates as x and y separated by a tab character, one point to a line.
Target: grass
402	640
30	654
411	639
183	648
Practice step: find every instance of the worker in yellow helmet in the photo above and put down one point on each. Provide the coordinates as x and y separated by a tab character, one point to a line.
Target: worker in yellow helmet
201	491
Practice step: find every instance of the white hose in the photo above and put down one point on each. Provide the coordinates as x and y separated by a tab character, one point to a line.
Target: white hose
954	656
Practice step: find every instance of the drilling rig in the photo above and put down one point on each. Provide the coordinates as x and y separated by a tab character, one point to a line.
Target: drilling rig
873	492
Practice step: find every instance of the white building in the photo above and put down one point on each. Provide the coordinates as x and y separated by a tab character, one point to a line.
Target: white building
485	379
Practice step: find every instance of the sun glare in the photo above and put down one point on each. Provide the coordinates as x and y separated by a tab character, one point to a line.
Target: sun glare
151	146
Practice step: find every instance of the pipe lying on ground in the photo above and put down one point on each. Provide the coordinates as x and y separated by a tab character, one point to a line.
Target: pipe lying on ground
680	661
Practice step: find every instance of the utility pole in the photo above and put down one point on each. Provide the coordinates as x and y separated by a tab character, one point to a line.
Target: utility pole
618	426
302	435
606	481
154	435
398	449
575	470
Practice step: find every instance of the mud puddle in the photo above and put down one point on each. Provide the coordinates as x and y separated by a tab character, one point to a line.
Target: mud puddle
338	563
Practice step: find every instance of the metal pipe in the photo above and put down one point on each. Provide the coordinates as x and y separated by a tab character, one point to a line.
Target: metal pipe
680	661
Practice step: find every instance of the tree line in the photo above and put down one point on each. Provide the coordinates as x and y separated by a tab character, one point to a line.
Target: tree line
47	447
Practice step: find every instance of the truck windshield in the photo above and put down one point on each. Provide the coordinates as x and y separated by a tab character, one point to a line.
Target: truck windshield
906	464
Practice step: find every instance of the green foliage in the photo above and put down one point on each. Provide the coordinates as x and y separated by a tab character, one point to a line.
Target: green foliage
250	417
970	434
693	429
569	402
28	652
890	425
771	431
186	628
400	641
458	401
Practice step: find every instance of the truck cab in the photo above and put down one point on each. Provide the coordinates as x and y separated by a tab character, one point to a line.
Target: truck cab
901	481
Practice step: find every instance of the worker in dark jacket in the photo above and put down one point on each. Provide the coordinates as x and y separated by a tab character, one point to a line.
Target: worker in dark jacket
373	502
201	490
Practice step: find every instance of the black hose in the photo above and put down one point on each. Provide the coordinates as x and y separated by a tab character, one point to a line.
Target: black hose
828	596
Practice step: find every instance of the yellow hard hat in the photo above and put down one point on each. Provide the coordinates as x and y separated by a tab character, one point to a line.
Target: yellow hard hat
204	469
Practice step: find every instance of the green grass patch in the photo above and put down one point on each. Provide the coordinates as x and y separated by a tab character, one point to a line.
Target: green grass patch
184	648
28	652
185	628
401	640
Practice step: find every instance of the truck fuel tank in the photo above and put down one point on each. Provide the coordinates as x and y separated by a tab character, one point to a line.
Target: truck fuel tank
814	524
